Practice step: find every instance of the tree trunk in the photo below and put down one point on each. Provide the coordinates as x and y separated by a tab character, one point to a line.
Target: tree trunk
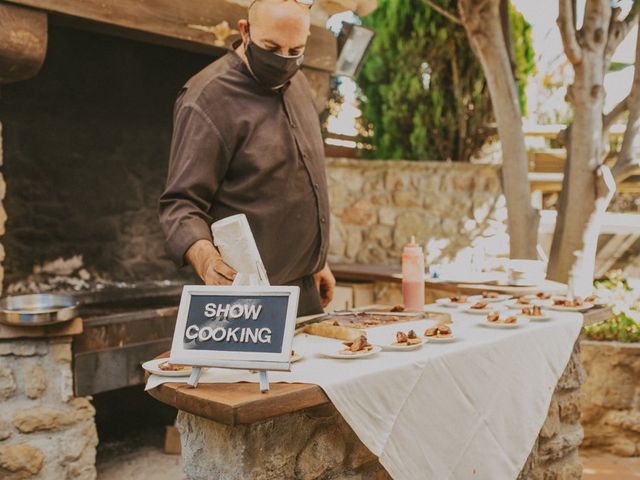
482	22
587	187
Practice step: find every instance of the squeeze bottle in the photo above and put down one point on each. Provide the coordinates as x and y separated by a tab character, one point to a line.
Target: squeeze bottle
413	276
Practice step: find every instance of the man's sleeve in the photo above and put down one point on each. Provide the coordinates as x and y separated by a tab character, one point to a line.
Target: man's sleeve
198	162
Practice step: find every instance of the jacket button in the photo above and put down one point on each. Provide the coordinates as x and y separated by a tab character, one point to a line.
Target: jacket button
323	219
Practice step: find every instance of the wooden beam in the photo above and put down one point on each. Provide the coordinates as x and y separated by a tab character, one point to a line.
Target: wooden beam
23	42
173	23
611	252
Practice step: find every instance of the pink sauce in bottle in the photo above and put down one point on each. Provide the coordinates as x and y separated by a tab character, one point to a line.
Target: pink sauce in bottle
413	276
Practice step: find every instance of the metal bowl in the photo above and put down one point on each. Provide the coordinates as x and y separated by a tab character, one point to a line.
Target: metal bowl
37	309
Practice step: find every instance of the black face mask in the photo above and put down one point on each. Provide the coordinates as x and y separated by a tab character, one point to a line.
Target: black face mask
269	68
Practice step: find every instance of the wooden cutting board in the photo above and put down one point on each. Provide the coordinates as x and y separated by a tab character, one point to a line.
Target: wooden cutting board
350	327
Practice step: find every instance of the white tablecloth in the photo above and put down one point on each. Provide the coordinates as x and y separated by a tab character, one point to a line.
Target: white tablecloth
468	409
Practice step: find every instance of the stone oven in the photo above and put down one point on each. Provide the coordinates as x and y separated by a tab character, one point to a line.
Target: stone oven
86	99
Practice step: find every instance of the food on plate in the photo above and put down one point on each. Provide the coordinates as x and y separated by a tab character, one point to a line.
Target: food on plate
359	345
397	308
439	331
592	299
480	306
543	295
293	353
568	302
171	367
495	318
458	299
523	301
407	339
489	295
534	311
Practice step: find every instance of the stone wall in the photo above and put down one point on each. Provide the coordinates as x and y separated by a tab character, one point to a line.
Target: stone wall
45	433
318	444
378	205
611	405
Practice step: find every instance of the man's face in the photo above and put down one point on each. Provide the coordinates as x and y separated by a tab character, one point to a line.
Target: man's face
280	26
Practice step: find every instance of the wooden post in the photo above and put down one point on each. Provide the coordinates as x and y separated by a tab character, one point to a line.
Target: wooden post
23	42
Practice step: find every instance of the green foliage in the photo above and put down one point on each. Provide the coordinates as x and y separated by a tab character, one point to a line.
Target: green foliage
523	53
424	90
621	328
616	291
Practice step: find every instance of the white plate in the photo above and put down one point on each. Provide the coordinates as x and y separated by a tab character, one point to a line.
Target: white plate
584	307
446	302
484	311
488	324
514	305
394	347
450	339
480	298
336	354
543	318
152	367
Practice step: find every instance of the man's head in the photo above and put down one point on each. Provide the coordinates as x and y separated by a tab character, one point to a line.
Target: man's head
279	26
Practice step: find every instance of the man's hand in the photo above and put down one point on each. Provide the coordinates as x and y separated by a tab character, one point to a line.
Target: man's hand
208	264
325	283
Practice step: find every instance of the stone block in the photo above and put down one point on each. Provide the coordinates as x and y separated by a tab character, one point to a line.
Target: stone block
570	404
324	451
7	383
61	351
561	444
35	381
406	199
23	348
20	461
42	418
387	216
551	425
354	242
361	213
5	429
574	374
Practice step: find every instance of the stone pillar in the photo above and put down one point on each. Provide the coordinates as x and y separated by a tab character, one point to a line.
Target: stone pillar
44	431
305	445
555	453
317	443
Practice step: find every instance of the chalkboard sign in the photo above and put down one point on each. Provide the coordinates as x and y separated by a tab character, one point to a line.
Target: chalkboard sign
235	327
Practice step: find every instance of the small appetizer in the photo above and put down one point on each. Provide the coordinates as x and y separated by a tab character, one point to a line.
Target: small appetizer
495	318
440	331
480	306
543	295
360	344
489	295
568	302
170	367
523	301
397	308
458	299
533	311
407	339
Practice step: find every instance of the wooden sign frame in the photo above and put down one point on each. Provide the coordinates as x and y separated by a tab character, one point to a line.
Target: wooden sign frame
235	359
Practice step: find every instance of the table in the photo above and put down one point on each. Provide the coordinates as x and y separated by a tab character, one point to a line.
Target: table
227	419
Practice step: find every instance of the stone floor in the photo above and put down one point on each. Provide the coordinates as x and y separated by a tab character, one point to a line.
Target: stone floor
150	462
604	466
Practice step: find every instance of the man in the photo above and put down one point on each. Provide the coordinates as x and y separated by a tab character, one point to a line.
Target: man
247	140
